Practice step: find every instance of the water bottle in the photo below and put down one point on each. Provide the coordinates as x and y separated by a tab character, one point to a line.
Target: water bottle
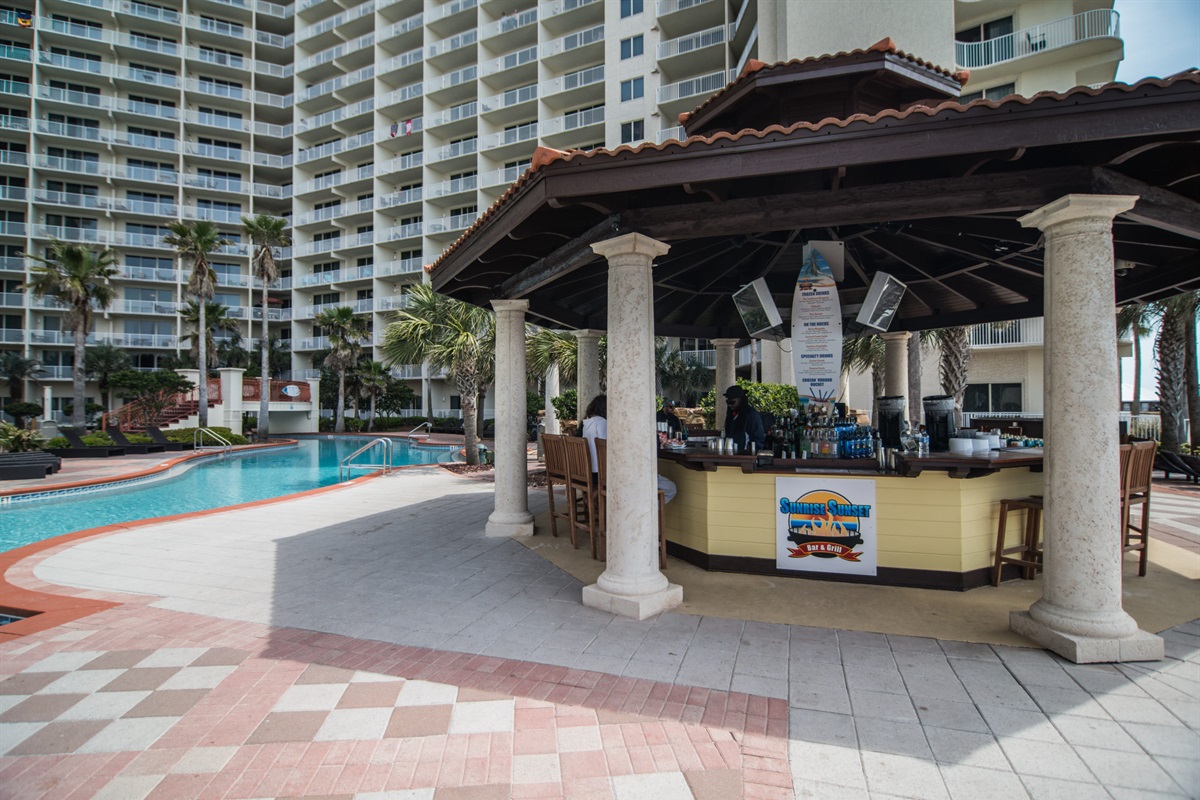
923	443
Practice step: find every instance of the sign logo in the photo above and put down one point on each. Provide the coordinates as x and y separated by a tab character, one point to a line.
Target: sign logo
290	391
825	525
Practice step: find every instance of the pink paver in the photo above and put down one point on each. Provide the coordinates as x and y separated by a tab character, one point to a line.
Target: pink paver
611	726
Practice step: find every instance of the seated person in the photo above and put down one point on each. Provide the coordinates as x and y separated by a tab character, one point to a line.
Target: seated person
667	487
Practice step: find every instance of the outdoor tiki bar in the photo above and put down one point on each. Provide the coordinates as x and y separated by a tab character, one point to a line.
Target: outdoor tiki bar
832	184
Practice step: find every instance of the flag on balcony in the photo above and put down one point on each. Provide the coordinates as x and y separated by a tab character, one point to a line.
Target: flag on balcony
395	129
24	19
407	127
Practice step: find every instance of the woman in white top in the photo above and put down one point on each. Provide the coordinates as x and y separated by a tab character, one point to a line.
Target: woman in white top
595	425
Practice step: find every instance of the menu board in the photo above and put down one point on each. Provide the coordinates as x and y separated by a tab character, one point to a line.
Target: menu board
816	330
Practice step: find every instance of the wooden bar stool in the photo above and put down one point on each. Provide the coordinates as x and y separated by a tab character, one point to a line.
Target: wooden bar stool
1030	546
556	475
1135	491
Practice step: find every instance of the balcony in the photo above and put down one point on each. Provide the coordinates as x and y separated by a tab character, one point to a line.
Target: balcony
554	90
1031	43
455	150
140	42
72	63
573	121
227	215
500	177
404	266
454	86
72	200
566	15
398	164
393	302
455	223
219	27
694	51
73	98
214	183
150	274
1018	333
146	76
154	340
340	82
145	307
517	66
227	60
504	141
580	45
455	186
222	121
691	88
337	276
149	12
74	29
217	152
19	88
316	343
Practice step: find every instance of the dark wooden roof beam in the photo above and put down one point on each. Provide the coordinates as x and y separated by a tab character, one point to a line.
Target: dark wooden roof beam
568	258
1160	208
900	201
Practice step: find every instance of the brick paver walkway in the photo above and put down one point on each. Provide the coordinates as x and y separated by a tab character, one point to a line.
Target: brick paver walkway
372	643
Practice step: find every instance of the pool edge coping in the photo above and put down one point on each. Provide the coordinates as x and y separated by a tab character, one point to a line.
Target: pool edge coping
43	610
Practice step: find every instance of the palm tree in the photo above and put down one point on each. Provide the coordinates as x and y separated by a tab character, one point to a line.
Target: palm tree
214	317
450	334
954	345
1137	319
864	353
266	233
17	370
194	241
346	333
231	352
375	380
78	276
101	363
546	348
279	358
1177	325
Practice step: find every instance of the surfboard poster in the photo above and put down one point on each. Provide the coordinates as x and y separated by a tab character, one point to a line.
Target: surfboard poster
816	330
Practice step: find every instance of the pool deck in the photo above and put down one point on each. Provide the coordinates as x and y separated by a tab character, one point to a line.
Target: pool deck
370	642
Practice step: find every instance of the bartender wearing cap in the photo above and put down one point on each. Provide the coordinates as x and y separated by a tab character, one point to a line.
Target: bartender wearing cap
669	416
743	423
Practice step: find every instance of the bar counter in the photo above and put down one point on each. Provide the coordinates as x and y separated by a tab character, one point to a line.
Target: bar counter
931	523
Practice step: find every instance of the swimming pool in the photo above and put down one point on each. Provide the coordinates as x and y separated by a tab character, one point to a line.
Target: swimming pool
214	483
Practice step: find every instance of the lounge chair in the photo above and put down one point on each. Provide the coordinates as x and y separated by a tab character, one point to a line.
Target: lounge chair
158	437
78	449
26	466
121	441
1170	462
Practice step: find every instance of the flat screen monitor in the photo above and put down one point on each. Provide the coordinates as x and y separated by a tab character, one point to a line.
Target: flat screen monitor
883	300
758	311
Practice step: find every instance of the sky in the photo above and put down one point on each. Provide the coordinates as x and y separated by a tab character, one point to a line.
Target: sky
1162	37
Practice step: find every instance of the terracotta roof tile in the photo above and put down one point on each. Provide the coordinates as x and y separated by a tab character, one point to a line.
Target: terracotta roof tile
544	156
882	46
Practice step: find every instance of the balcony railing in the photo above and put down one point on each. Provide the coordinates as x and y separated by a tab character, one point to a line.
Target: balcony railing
573	41
1018	333
1096	24
695	41
404	266
703	85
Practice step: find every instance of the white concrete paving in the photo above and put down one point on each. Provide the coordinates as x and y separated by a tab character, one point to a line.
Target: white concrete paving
404	559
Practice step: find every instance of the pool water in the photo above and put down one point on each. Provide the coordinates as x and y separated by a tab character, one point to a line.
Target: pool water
213	484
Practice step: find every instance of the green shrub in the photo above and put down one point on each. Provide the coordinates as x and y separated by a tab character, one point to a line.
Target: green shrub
19	440
566	404
772	398
355	425
186	434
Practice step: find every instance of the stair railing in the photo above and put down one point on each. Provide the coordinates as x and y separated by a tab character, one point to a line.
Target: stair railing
348	462
198	441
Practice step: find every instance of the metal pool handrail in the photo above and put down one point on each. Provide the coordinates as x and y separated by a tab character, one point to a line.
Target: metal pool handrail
425	424
198	440
347	465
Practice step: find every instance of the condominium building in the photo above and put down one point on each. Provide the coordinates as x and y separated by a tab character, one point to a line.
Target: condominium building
381	130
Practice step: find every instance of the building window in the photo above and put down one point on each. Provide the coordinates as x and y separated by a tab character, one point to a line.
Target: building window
633	89
992	398
994	93
985	31
633	46
633	131
631	7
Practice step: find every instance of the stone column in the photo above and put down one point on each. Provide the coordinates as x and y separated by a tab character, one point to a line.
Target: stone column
1079	615
587	369
895	375
726	374
312	420
770	372
511	516
230	409
631	584
552	391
